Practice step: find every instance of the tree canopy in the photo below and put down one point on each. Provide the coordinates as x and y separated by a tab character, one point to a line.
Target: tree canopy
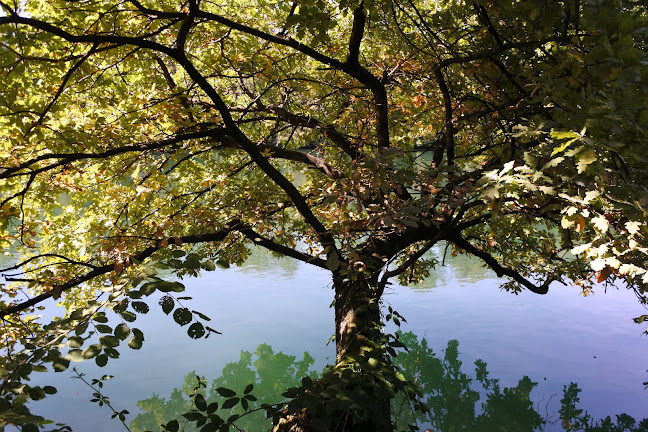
350	135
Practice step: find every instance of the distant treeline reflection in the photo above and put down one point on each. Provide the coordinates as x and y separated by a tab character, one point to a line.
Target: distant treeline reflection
459	400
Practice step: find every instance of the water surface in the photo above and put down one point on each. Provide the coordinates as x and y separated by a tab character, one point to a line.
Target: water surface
555	339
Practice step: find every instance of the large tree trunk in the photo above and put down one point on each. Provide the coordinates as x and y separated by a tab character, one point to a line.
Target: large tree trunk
355	391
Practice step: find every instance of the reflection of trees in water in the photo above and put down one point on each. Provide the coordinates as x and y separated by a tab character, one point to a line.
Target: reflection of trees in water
462	268
454	397
458	400
262	261
270	372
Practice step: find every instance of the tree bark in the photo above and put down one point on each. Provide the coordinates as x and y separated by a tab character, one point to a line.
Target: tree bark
358	338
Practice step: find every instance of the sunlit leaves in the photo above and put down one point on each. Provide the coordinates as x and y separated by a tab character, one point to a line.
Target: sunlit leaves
122	331
543	106
136	340
60	364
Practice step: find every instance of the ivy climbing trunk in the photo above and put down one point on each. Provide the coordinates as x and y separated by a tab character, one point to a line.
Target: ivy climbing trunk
355	395
359	338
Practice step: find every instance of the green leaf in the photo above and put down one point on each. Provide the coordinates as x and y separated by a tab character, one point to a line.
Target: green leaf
102	328
122	331
75	342
208	265
36	393
200	402
60	364
81	328
225	392
585	158
128	316
172	426
100	317
92	351
75	355
333	262
229	403
30	427
140	307
121	306
50	390
210	427
101	360
109	341
167	304
212	408
165	286
193	416
203	316
196	330
182	316
112	352
134	343
178	253
148	288
192	262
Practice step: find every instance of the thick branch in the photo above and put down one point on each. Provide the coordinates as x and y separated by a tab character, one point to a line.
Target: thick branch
329	131
254	152
373	83
357	32
65	158
306	158
95	38
449	127
218	236
267	243
498	268
102	270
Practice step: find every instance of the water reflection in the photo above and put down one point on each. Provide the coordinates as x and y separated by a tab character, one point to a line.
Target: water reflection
272	373
261	261
459	399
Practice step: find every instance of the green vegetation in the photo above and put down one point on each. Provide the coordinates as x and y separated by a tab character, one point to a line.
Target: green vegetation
458	400
146	136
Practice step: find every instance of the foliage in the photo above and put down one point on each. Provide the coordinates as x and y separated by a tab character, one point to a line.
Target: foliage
269	372
574	419
457	399
137	135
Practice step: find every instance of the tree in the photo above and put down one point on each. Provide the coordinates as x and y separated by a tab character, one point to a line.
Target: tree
138	132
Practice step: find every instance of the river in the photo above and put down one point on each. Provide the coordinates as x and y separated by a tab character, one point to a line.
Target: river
555	339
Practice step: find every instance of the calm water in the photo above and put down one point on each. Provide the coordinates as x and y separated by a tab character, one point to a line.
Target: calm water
554	339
